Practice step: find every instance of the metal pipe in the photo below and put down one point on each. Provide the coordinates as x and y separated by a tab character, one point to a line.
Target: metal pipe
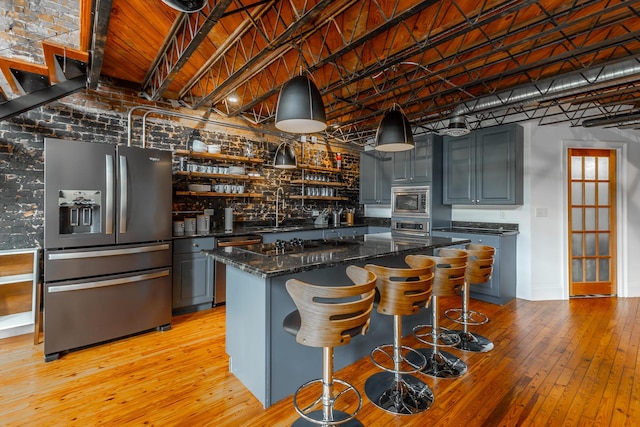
551	88
153	110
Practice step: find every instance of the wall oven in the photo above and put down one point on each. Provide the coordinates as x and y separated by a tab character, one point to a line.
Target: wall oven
411	201
412	228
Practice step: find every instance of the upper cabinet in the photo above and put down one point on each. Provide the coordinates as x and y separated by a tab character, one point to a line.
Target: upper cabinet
376	169
484	167
415	166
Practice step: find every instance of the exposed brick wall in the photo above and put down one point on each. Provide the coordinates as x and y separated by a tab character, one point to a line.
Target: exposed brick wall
101	116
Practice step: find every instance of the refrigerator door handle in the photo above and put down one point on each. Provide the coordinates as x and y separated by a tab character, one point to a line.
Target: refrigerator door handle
108	252
109	282
124	197
109	176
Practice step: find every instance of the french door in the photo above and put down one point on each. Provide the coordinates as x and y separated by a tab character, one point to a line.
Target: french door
592	222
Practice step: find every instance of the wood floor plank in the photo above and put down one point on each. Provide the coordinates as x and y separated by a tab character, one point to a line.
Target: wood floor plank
558	363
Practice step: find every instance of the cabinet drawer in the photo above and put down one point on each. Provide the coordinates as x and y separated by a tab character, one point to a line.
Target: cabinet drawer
480	239
196	244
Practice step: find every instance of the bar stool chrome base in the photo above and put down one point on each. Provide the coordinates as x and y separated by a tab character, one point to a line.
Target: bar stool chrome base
328	416
473	342
398	394
339	419
441	364
436	337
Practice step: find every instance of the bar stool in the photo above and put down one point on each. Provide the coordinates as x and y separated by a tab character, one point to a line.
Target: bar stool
448	279
403	291
328	316
479	269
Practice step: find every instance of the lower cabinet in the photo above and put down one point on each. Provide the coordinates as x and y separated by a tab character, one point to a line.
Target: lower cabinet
193	274
502	286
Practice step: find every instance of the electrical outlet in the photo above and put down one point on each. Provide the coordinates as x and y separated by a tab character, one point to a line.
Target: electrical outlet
541	212
502	215
208	211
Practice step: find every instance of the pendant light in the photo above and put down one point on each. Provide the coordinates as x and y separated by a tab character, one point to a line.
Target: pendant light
300	107
186	6
285	157
394	132
457	127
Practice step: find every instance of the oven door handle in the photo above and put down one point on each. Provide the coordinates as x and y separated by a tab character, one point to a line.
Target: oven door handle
109	282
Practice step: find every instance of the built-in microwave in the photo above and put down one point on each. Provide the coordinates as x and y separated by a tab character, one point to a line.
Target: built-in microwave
411	201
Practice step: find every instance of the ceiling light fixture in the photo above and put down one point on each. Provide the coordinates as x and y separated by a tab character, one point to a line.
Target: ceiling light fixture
394	132
233	98
300	107
457	127
285	157
186	6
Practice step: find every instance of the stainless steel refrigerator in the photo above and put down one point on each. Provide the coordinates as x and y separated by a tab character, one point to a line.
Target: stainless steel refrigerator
107	266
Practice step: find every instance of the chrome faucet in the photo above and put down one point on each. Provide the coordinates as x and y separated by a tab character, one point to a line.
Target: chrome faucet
278	203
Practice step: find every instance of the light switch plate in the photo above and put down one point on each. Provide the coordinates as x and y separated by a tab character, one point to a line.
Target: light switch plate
541	212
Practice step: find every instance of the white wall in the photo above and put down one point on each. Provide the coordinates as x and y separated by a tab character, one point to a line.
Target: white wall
544	237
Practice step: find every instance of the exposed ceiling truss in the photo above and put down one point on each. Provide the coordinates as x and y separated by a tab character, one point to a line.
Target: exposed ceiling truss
430	57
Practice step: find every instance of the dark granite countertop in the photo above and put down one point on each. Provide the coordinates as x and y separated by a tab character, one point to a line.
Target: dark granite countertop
334	252
263	229
490	228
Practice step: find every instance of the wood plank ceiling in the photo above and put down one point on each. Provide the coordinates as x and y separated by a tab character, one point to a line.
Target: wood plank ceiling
491	61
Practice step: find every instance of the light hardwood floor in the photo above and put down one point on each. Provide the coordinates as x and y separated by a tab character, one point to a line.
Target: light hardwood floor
559	363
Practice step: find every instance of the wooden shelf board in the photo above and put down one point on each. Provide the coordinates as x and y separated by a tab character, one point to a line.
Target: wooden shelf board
319	183
318	198
319	168
210	156
214	194
217	175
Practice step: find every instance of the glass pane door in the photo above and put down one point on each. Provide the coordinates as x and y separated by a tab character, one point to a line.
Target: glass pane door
592	269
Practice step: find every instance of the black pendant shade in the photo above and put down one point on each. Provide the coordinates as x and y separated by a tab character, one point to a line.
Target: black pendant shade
186	6
300	108
285	157
394	132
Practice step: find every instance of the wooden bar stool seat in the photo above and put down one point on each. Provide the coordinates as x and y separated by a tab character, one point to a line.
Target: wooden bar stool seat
403	291
448	279
327	317
478	271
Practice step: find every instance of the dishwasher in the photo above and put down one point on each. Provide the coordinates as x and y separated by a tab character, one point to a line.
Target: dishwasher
220	291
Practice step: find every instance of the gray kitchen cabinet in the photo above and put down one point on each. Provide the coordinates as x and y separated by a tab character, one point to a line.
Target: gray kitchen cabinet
484	167
414	167
502	286
376	169
193	274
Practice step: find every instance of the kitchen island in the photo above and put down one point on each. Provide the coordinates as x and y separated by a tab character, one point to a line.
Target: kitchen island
262	355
